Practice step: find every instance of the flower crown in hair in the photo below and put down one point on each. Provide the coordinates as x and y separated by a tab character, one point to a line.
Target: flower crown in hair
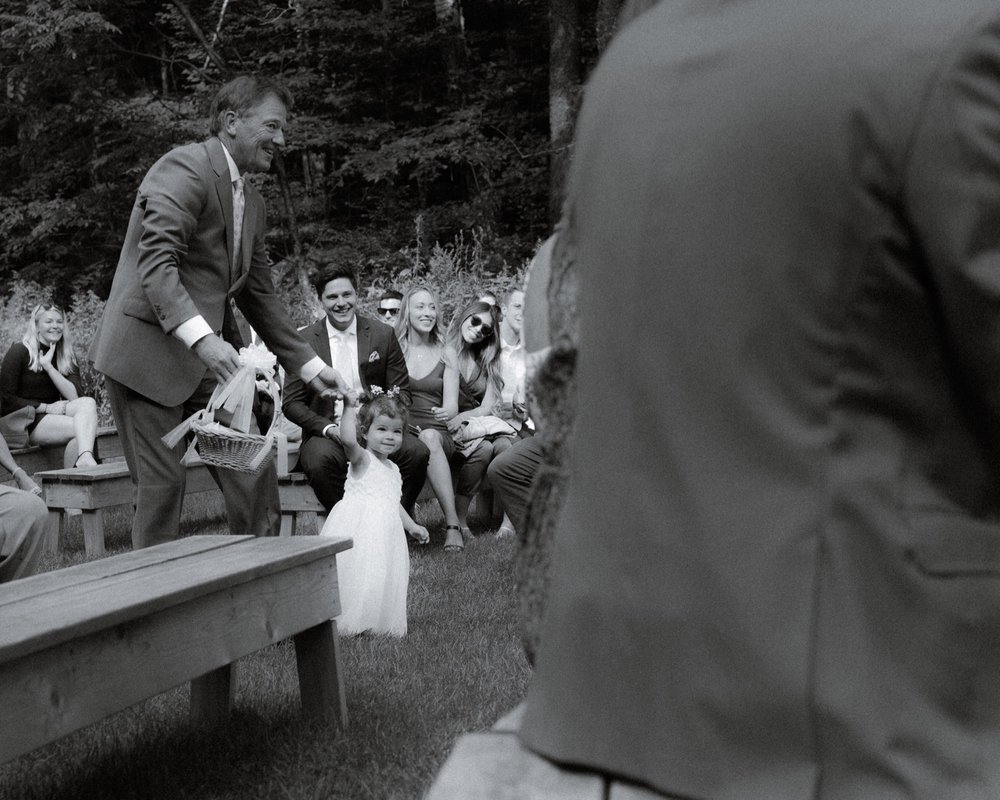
375	391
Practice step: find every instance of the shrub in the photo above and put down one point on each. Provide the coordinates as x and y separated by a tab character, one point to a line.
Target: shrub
457	272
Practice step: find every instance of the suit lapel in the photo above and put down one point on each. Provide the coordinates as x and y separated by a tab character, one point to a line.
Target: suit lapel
321	342
224	191
364	349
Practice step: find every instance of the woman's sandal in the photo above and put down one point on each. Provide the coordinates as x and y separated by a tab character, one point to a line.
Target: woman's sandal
453	542
81	455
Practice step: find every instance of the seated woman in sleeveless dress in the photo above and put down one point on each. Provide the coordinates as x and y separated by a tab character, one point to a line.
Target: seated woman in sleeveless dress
41	371
474	345
434	384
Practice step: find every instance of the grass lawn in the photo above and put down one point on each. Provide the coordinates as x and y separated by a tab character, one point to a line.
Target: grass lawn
460	668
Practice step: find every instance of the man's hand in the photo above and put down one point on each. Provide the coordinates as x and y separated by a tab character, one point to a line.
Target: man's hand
218	355
329	383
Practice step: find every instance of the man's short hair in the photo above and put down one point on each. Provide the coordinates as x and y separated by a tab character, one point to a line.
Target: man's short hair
324	276
240	95
509	294
391	294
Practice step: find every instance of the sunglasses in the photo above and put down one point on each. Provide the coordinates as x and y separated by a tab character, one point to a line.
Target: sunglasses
477	321
389	311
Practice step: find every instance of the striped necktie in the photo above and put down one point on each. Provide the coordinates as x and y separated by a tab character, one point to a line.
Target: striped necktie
239	203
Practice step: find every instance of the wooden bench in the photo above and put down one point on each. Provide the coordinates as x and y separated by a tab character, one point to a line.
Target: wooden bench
93	489
45	457
81	643
494	766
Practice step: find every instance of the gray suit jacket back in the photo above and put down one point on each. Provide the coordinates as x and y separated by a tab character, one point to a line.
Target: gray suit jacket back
778	571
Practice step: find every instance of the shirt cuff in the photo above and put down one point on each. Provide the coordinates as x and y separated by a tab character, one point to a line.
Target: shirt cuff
312	368
192	330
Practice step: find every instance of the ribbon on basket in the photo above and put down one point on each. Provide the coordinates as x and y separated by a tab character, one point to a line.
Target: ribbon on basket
236	397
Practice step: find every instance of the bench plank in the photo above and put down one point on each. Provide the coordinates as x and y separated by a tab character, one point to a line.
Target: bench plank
92	571
236	600
494	766
86	607
92	489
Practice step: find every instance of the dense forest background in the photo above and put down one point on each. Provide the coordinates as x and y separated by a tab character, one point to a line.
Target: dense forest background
416	123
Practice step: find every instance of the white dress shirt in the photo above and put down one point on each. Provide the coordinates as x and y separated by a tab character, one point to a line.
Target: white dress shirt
344	359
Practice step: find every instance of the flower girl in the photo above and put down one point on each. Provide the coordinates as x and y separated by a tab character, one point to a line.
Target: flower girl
373	574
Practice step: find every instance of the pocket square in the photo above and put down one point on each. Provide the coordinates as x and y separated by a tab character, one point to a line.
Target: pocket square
373	357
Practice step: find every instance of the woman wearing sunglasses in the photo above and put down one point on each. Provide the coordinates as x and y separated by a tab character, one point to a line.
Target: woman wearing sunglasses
434	384
474	339
42	371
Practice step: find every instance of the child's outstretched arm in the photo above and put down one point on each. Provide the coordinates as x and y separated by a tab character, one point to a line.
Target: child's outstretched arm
418	532
349	431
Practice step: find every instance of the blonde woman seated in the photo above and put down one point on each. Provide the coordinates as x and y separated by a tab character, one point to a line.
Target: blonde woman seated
41	371
434	384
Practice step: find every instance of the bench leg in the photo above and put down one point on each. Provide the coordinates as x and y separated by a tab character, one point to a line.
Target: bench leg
212	694
287	524
93	532
321	684
53	530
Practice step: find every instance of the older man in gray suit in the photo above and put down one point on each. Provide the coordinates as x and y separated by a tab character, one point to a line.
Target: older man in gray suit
195	241
777	575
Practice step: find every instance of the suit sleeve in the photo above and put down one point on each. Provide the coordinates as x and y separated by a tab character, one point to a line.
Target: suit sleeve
295	405
952	196
172	195
265	312
396	373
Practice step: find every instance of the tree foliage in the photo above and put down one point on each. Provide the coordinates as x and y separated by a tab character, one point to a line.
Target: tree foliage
400	112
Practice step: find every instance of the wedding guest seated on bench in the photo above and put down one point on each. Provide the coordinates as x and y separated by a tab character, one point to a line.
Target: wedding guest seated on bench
366	353
22	521
42	371
433	375
474	344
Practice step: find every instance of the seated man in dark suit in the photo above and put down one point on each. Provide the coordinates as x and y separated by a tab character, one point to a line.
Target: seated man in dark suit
368	354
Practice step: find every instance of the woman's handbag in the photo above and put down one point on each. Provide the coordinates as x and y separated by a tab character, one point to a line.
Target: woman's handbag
479	429
488	427
14	427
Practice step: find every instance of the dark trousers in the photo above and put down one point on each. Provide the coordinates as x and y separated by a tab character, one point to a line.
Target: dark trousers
511	474
252	504
325	463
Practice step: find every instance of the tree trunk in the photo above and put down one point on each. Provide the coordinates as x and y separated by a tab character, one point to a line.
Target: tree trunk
453	48
554	410
564	92
604	22
192	23
293	224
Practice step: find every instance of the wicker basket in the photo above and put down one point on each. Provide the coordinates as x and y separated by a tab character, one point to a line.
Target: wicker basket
225	447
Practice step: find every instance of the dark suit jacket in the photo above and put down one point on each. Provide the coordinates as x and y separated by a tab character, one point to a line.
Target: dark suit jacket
174	264
380	363
777	575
